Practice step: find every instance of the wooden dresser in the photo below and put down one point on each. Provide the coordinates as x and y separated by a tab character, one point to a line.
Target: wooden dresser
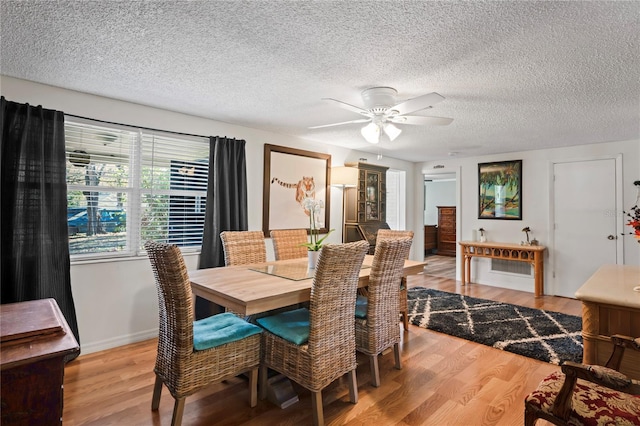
430	238
447	230
35	340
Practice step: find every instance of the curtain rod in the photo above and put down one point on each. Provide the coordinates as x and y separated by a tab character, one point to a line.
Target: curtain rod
136	127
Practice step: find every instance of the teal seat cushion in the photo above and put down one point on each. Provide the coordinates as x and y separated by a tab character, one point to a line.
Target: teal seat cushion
220	329
292	326
361	306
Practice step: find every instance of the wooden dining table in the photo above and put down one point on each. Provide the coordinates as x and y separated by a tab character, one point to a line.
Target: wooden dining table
252	289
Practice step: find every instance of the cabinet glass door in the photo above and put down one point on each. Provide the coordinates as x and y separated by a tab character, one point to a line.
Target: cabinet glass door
372	203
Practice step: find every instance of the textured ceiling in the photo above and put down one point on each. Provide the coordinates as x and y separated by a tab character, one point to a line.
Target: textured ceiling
516	75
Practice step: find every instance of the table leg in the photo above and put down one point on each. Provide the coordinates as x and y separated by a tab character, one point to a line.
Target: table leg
463	275
467	270
538	273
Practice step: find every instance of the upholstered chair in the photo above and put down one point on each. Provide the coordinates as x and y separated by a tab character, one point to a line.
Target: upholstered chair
588	394
404	305
316	346
288	243
243	247
377	314
193	354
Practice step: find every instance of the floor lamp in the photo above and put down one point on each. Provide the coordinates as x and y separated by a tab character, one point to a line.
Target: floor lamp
344	177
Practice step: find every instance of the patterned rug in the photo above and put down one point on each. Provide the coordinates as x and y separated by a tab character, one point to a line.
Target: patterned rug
544	335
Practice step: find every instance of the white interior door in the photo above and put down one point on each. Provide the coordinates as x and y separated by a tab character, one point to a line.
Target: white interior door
584	206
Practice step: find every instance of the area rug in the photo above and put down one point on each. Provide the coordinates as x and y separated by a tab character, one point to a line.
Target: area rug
548	336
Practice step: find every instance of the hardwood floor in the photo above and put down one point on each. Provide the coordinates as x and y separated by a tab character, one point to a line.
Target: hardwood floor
441	266
444	381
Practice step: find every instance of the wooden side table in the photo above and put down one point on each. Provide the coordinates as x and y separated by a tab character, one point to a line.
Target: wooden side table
610	306
507	251
34	340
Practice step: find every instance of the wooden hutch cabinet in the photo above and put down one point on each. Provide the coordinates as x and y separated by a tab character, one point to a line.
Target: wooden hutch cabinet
447	230
365	205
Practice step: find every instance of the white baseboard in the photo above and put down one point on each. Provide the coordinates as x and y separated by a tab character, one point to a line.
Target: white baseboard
87	348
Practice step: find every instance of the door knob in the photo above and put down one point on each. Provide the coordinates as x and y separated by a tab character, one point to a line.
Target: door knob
611	237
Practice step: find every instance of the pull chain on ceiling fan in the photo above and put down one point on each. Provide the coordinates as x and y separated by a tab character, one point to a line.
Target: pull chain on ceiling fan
382	112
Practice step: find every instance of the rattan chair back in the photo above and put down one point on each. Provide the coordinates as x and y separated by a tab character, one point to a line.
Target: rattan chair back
288	243
243	247
379	330
332	307
384	281
385	234
330	350
174	304
179	367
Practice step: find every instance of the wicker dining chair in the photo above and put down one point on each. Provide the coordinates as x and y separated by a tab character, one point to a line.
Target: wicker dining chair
404	305
243	247
288	243
191	354
315	346
377	314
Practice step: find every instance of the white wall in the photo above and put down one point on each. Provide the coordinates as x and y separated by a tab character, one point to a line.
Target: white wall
437	193
116	300
536	202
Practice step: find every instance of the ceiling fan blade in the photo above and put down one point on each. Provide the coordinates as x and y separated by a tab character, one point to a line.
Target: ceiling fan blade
361	120
416	104
420	120
349	107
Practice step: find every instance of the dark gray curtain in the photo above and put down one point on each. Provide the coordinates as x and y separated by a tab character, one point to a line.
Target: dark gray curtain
34	247
226	208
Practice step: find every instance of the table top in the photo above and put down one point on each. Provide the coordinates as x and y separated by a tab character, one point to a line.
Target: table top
493	244
613	285
248	291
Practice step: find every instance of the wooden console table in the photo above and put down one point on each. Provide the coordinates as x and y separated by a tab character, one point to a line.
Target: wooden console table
610	305
506	251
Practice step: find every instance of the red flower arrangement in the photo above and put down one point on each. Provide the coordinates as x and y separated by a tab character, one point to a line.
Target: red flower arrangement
634	215
634	222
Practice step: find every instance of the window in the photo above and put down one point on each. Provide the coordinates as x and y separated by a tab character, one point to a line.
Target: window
396	199
126	186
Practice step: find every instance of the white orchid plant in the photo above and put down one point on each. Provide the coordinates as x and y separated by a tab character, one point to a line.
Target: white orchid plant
314	207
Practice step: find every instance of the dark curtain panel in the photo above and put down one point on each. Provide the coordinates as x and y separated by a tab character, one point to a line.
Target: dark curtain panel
34	248
226	208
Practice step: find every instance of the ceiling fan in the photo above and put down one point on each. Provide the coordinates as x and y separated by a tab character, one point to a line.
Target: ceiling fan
382	112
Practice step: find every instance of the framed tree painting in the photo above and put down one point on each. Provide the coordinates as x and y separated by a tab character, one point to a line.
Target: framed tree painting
500	190
292	177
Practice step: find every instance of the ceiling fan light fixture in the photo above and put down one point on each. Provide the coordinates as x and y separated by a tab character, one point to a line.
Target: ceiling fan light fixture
392	131
371	132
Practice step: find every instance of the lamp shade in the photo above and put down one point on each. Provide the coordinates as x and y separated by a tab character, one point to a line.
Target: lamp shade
371	132
344	176
392	131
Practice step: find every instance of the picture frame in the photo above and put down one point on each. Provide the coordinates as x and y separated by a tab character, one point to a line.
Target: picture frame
290	175
500	190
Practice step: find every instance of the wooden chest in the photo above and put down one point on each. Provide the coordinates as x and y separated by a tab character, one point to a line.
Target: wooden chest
447	230
34	342
430	238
